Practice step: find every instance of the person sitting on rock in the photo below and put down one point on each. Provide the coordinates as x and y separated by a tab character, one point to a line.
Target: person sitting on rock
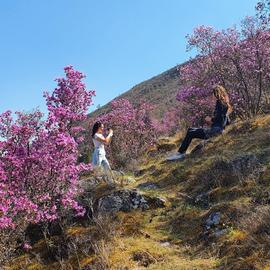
218	122
99	156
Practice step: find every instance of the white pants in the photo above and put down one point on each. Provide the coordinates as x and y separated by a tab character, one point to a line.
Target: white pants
99	160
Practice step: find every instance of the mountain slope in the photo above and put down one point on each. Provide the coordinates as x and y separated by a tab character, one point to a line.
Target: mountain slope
216	215
159	90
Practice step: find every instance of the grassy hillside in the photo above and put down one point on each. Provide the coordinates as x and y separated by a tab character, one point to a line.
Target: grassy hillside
217	213
159	90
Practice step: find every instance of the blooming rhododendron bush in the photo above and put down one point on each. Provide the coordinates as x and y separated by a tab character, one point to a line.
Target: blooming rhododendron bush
38	158
238	59
169	123
134	131
196	103
263	11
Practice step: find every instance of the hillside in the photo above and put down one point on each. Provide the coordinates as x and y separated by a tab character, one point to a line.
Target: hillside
159	90
216	213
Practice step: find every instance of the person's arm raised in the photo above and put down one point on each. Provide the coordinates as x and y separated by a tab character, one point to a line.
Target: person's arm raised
105	140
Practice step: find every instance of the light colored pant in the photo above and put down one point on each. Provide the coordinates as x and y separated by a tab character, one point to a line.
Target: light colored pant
99	160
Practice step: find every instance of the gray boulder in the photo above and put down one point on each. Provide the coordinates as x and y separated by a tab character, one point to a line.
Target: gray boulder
127	200
213	220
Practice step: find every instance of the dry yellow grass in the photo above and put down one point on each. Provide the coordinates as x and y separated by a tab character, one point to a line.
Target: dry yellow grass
169	238
162	257
237	236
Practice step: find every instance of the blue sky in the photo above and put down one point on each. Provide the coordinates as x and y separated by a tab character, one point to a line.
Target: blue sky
116	43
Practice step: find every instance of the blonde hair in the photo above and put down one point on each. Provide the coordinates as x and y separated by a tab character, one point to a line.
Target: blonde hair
221	94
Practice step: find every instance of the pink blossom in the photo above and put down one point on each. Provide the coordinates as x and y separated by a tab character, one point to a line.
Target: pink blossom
38	158
237	58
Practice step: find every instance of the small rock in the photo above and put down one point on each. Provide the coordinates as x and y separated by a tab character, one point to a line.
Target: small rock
148	186
143	258
213	220
165	244
146	235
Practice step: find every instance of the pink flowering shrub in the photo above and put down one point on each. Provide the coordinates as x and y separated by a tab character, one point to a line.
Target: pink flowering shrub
38	158
196	104
69	102
238	59
134	131
263	12
169	123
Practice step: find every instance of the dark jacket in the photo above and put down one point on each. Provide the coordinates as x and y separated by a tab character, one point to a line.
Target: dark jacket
220	118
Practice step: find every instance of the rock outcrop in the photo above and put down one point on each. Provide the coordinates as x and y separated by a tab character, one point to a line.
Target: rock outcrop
127	200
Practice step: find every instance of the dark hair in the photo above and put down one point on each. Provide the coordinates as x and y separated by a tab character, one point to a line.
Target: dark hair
96	126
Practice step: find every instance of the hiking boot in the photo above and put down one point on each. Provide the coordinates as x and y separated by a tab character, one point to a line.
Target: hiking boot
178	156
